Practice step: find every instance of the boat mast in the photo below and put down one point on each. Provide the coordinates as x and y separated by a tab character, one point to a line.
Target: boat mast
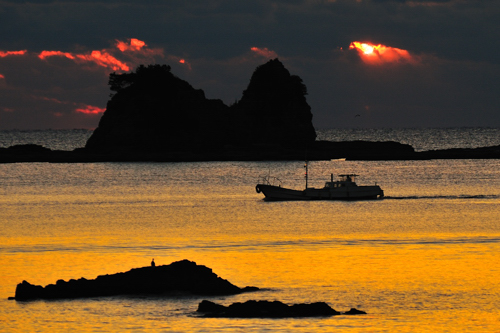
306	175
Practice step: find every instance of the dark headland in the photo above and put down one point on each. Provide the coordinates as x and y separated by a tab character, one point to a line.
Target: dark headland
155	116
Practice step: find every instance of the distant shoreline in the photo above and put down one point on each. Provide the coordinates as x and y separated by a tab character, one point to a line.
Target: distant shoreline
320	150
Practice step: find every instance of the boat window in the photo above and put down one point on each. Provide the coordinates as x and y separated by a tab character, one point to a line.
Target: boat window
347	178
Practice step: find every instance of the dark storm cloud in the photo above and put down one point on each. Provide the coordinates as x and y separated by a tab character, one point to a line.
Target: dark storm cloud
453	83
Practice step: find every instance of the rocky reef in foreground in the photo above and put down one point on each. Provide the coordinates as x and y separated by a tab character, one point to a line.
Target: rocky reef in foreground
185	277
267	309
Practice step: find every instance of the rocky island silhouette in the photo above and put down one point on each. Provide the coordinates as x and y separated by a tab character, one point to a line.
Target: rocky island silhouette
180	277
155	116
154	110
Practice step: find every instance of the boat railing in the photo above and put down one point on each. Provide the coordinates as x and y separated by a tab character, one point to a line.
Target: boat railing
270	180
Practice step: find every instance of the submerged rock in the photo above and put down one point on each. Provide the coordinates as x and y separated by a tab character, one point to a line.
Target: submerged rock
268	309
354	311
179	277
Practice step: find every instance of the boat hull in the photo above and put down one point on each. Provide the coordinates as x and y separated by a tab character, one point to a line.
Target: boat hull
276	193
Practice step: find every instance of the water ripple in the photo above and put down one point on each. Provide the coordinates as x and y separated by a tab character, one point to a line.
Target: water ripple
462	196
255	245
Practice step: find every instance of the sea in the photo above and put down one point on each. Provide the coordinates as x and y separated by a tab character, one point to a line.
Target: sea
422	259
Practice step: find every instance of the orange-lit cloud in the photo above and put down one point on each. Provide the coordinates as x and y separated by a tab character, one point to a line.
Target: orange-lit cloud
137	51
90	109
80	107
104	59
55	100
182	61
101	58
264	52
10	53
379	54
134	45
46	54
134	50
2	76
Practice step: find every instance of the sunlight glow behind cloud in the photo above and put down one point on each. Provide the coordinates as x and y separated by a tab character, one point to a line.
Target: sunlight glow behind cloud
379	54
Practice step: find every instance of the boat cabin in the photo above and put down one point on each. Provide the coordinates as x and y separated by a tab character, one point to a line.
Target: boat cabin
344	181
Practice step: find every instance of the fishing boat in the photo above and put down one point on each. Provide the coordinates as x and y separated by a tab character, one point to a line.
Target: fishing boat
345	188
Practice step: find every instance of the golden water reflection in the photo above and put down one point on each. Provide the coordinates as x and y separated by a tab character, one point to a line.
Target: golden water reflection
385	281
424	263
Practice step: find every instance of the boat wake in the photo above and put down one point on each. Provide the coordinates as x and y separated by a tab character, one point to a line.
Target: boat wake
462	196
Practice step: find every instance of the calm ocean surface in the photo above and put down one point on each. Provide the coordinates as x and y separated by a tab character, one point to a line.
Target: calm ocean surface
424	259
420	139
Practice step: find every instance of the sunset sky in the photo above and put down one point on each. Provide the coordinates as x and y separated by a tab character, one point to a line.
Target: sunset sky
366	63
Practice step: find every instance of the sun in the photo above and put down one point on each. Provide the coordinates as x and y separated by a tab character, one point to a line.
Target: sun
379	54
367	49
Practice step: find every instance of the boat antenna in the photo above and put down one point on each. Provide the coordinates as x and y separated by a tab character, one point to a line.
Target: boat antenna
306	174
